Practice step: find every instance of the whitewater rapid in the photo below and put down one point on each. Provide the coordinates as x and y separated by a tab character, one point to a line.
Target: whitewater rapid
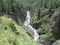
31	30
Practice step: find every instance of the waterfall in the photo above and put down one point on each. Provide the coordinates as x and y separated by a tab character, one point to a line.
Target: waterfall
31	30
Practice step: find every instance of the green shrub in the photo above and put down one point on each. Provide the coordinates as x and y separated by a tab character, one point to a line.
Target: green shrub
56	43
44	28
6	21
47	37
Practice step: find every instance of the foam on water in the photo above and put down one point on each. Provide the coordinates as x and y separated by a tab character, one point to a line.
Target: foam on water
31	30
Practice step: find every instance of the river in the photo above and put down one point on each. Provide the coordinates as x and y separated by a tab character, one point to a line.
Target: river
31	30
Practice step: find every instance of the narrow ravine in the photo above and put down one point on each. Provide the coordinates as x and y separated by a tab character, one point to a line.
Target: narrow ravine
31	30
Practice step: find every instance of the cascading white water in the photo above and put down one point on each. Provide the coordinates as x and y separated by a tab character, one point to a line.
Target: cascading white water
31	30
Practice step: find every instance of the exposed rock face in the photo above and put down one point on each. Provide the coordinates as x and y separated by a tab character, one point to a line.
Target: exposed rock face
55	25
37	25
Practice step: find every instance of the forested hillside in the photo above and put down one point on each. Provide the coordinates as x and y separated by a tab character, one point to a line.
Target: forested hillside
45	18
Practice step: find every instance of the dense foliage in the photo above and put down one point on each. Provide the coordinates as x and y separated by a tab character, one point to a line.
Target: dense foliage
41	13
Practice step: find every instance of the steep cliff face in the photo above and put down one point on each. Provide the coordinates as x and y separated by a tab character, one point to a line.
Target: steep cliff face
48	26
55	24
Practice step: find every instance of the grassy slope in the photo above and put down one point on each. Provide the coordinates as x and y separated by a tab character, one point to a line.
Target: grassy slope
11	36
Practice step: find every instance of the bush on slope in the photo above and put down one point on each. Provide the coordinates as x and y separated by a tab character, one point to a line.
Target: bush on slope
13	34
